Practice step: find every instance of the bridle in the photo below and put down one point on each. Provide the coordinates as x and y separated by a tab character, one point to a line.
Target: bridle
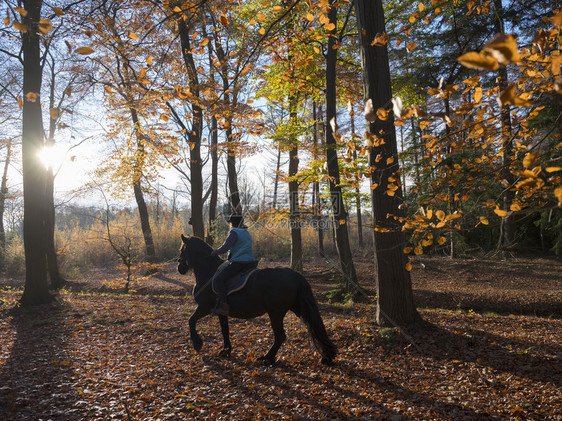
183	265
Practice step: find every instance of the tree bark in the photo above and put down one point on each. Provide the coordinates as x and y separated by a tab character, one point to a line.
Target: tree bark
340	217
395	303
509	226
137	189
36	289
214	178
316	205
196	164
3	196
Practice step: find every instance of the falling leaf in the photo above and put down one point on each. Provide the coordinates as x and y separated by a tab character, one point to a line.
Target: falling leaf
529	159
21	11
382	114
149	61
558	194
477	94
369	112
45	26
31	96
84	50
261	17
441	241
54	113
223	20
108	90
310	17
411	46
557	19
133	36
500	212
484	220
553	169
424	124
407	250
20	26
408	266
440	215
277	9
503	48
418	250
381	39
475	60
20	102
515	207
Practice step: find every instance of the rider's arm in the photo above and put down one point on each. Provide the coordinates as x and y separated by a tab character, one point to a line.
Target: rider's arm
228	243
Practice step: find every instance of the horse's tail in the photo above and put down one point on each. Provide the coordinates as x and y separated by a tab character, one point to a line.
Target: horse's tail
310	314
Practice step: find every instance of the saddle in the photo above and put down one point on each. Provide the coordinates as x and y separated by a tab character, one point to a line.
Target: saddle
238	281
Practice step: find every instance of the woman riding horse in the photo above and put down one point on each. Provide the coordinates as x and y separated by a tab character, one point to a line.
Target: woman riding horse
241	256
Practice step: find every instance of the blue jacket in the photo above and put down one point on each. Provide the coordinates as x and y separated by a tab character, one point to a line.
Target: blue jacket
239	242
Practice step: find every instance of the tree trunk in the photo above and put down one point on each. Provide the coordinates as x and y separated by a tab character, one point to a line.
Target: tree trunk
509	227
294	212
137	189
36	288
214	178
357	190
316	208
395	303
57	281
196	164
3	195
340	218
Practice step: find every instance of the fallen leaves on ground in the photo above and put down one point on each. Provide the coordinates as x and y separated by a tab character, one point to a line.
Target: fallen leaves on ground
110	356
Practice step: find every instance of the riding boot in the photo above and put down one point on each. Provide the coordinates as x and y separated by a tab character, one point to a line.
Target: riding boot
222	307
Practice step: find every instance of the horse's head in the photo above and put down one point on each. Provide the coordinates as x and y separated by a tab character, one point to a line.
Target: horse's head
191	251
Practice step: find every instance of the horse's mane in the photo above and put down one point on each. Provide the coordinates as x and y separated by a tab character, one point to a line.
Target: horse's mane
199	245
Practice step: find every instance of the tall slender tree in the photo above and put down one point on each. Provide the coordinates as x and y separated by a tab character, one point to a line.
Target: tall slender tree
395	303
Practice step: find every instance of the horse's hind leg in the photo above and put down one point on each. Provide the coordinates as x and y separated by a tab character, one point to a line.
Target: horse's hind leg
276	320
227	347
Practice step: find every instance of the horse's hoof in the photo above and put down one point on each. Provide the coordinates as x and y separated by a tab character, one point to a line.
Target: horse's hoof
267	360
225	352
197	344
327	361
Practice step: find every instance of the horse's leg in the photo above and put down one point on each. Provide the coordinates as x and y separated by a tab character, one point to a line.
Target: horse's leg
276	320
195	338
227	347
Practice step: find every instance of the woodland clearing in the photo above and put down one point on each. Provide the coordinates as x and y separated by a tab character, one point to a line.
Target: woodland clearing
493	351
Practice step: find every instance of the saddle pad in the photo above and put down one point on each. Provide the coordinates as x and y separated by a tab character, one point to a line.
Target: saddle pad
237	282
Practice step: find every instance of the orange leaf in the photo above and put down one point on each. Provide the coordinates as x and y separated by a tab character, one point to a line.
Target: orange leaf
31	96
500	212
503	48
84	50
408	266
21	11
441	240
474	60
484	220
45	26
381	39
223	20
382	114
410	47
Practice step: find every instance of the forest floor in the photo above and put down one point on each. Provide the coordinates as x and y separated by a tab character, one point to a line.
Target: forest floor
493	351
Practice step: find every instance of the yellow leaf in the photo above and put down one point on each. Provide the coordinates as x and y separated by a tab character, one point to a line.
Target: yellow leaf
529	160
390	192
149	61
503	48
262	31
418	250
477	94
515	207
389	160
553	169
440	215
453	216
382	114
484	220
316	50
223	20
500	212
558	194
374	186
474	60
20	26
381	39
261	17
421	7
133	36
408	266
407	250
21	11
45	26
277	9
424	124
31	96
557	19
429	214
441	240
84	50
440	224
164	117
330	27
310	17
54	113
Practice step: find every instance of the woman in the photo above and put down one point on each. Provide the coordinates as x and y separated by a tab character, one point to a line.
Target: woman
239	244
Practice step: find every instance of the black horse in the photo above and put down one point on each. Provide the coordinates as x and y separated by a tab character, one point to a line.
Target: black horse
274	291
